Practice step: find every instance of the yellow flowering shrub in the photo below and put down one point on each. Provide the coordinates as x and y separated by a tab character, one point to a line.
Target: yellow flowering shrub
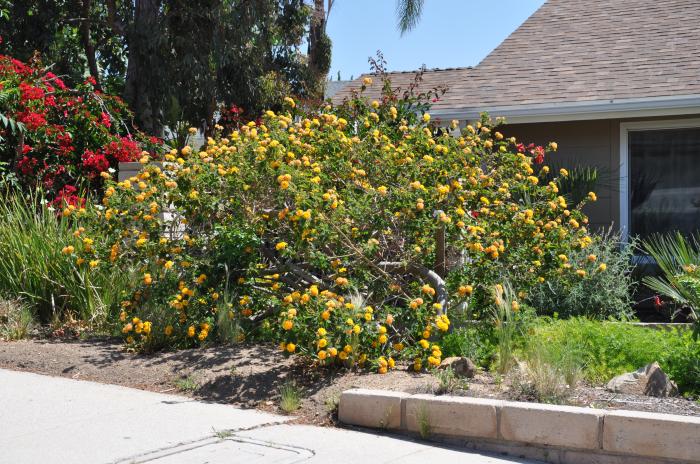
324	228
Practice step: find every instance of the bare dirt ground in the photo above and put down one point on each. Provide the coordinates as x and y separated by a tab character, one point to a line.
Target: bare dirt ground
250	376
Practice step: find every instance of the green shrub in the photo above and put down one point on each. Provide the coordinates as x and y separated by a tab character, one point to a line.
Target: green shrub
591	293
606	349
476	341
286	219
187	384
34	269
491	343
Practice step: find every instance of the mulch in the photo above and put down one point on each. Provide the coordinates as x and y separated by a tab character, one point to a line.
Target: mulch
250	376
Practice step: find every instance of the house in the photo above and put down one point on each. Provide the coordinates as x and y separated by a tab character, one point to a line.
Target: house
333	87
616	84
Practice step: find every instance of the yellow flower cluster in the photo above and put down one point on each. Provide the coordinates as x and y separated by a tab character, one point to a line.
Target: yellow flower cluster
335	330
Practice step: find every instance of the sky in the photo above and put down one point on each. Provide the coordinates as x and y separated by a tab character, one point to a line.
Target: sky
451	33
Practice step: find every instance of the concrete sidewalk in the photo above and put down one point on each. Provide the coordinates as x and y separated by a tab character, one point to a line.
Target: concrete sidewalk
57	420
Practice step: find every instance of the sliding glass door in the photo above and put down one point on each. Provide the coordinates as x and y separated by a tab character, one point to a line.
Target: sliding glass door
664	181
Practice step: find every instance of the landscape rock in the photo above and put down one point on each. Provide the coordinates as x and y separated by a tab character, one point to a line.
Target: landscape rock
649	380
461	366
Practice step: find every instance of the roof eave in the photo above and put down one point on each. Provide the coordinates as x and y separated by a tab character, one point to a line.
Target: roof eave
581	111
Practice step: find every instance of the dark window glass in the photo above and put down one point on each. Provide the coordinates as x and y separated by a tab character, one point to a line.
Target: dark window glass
664	181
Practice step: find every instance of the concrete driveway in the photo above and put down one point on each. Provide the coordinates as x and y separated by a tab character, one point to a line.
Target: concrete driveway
56	420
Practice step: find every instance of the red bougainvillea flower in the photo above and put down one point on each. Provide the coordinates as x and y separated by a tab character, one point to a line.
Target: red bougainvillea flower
55	80
106	121
537	152
21	68
32	120
539	155
65	144
71	135
66	196
52	176
29	92
94	163
27	165
123	150
658	302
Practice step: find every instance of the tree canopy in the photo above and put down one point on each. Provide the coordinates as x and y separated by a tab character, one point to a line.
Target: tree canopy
171	60
181	61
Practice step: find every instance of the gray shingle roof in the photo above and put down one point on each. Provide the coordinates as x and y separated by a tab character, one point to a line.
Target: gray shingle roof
578	51
333	87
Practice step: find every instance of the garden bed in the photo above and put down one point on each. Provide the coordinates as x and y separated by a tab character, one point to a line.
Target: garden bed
250	376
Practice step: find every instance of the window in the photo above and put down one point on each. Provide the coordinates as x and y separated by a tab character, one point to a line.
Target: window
664	180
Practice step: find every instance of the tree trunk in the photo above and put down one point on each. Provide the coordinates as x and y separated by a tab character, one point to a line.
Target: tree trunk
319	48
317	27
88	46
140	90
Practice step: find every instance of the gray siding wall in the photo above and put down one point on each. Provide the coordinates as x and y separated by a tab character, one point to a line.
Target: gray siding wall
594	143
583	143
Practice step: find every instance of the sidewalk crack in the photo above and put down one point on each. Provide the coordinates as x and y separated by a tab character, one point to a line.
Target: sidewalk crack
213	438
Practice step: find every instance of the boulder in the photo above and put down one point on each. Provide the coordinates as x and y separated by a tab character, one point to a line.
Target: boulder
461	366
649	380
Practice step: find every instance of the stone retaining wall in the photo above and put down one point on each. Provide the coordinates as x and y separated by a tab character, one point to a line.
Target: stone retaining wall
555	434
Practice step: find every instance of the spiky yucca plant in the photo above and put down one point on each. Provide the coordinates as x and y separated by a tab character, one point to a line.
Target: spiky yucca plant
678	257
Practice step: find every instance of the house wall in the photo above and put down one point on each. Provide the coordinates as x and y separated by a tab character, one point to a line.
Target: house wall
582	143
588	143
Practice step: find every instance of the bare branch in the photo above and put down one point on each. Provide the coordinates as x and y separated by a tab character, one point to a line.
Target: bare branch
424	273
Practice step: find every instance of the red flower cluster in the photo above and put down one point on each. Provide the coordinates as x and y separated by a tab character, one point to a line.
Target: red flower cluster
27	165
124	149
658	303
29	92
67	196
94	163
536	151
70	135
231	118
32	120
